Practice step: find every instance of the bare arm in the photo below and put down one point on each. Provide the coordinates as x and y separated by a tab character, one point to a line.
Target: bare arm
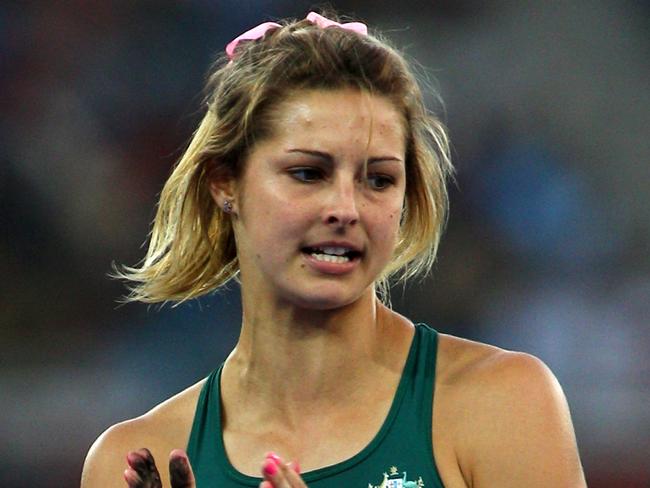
520	433
106	459
113	462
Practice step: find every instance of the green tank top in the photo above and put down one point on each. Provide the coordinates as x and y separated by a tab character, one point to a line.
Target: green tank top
399	456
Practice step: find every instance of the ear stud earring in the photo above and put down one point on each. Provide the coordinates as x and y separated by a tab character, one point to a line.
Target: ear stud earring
227	206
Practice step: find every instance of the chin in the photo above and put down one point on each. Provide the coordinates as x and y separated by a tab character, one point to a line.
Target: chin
321	303
324	300
328	297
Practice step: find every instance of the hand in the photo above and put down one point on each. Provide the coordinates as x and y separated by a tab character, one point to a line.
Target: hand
278	474
142	471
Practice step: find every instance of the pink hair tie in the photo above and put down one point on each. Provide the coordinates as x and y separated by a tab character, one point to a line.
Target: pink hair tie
249	35
323	22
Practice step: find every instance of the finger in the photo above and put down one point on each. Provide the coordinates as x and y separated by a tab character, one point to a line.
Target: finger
273	473
142	472
180	470
292	465
131	477
281	475
292	473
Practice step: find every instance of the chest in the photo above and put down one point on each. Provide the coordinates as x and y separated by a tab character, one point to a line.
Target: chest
324	440
378	448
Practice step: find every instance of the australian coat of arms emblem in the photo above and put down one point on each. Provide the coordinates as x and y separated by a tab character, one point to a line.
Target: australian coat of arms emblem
397	479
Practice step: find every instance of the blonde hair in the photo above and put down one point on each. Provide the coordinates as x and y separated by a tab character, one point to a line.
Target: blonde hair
192	246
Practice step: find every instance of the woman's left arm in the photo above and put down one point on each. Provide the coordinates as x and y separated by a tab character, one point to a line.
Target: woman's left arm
521	431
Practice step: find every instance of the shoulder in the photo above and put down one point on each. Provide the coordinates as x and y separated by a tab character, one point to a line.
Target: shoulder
474	368
499	386
162	429
509	416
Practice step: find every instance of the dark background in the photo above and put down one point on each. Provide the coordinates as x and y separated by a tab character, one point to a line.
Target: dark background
546	249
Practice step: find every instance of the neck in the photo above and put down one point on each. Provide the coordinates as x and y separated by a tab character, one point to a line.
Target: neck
287	358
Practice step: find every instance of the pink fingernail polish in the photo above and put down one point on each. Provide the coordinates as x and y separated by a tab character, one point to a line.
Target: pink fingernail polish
295	466
274	457
270	468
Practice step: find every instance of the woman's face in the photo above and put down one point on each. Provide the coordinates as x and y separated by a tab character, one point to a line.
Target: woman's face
314	225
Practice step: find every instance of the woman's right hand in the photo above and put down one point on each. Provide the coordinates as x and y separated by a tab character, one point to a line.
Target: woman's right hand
143	473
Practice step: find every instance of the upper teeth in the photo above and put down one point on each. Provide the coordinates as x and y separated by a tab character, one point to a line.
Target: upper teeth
336	251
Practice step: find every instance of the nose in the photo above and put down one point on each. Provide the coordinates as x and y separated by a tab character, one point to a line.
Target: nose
342	208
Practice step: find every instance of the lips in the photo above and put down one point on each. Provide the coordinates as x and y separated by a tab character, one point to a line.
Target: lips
333	257
335	249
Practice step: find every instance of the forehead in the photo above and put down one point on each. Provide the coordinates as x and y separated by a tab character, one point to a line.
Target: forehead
339	116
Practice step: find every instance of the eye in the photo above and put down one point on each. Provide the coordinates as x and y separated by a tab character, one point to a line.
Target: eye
379	181
306	174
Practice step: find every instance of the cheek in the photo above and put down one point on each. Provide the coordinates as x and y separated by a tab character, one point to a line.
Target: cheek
386	226
277	225
264	206
394	212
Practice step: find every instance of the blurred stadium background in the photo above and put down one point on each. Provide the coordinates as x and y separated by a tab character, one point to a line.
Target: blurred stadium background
546	250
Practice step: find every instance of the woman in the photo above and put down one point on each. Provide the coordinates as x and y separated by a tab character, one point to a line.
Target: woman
315	176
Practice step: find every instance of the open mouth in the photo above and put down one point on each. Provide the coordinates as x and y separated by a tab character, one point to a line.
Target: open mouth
332	254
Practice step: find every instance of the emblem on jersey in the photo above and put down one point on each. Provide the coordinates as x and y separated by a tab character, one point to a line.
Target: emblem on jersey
395	479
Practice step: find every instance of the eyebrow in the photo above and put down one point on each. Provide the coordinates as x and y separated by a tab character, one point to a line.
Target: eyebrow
328	157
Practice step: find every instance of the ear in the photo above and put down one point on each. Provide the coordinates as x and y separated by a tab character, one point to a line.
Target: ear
223	189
